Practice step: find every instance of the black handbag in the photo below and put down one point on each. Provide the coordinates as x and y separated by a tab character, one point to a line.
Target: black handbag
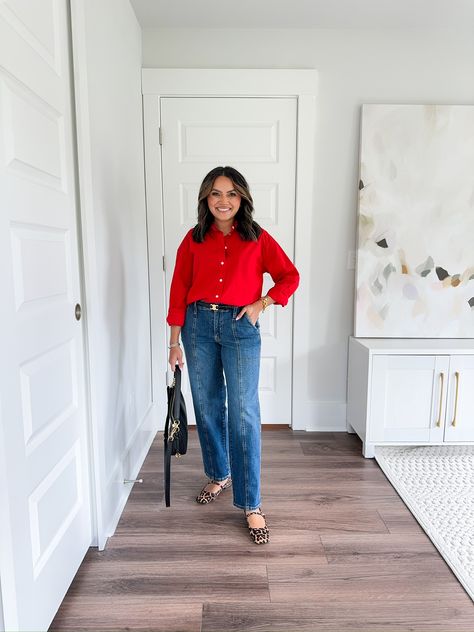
176	428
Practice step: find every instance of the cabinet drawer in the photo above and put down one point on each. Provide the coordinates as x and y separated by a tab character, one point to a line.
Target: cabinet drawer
408	395
460	402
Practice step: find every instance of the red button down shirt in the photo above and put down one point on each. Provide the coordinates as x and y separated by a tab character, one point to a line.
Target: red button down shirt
228	270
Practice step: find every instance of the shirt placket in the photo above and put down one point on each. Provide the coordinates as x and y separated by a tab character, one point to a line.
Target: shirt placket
222	264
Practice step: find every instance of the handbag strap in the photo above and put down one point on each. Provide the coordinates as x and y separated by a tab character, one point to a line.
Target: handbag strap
169	444
167	472
177	392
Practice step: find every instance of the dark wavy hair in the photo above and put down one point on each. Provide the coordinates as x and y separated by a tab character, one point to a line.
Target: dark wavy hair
247	228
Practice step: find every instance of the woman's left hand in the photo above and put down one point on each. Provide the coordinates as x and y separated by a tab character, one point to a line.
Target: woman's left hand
253	311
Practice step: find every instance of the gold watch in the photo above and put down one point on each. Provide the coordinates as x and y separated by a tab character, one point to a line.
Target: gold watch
264	300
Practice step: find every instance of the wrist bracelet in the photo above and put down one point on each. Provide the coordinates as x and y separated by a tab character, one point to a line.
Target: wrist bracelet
174	344
264	300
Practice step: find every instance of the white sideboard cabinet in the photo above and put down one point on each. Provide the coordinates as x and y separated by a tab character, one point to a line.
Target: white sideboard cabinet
410	391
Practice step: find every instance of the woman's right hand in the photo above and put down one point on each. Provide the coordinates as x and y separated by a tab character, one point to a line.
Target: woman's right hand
176	358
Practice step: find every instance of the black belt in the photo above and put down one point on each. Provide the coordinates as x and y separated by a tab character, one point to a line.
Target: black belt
216	307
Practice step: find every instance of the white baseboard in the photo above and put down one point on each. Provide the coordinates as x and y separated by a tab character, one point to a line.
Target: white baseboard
321	416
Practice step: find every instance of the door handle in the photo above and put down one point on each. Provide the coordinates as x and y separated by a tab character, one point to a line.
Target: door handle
441	375
78	311
456	375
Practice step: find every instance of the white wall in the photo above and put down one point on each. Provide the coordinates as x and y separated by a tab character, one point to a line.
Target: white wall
2	624
355	67
111	170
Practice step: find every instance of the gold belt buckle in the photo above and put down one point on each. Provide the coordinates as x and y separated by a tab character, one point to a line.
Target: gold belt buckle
214	307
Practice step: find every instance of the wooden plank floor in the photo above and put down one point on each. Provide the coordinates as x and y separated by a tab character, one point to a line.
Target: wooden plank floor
345	553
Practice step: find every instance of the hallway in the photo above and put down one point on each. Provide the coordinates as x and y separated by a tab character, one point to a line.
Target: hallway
344	552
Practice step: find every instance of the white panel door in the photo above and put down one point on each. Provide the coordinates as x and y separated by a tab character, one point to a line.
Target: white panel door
460	406
257	136
45	526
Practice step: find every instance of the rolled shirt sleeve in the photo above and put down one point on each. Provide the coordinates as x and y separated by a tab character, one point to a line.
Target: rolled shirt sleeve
181	282
280	268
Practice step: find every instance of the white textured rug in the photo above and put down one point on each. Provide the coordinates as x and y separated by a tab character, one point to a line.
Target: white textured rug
437	485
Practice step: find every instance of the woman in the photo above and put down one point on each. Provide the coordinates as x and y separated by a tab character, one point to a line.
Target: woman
215	302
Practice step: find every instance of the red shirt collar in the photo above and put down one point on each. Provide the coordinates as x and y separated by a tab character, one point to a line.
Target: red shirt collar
215	229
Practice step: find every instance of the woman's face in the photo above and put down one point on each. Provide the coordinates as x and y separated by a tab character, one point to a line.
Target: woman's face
223	200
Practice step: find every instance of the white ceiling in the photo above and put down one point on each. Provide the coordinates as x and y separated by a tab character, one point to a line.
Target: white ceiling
304	13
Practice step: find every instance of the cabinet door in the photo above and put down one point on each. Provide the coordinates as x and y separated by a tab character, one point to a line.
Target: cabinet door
460	409
408	395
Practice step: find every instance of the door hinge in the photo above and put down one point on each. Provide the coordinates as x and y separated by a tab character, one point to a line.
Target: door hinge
164	264
160	135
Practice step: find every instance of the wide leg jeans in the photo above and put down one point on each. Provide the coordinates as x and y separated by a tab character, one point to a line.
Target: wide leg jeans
223	361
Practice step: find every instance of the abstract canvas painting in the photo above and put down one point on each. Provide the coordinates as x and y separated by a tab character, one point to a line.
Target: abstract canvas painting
415	257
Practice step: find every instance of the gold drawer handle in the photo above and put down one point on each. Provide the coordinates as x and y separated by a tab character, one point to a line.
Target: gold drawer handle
441	375
456	375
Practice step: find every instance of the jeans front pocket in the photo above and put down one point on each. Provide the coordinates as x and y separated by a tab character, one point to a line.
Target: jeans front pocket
257	324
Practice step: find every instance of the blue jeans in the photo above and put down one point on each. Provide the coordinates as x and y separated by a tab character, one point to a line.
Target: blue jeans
218	345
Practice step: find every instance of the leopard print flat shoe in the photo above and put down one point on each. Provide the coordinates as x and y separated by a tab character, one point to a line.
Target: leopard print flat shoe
260	535
205	497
